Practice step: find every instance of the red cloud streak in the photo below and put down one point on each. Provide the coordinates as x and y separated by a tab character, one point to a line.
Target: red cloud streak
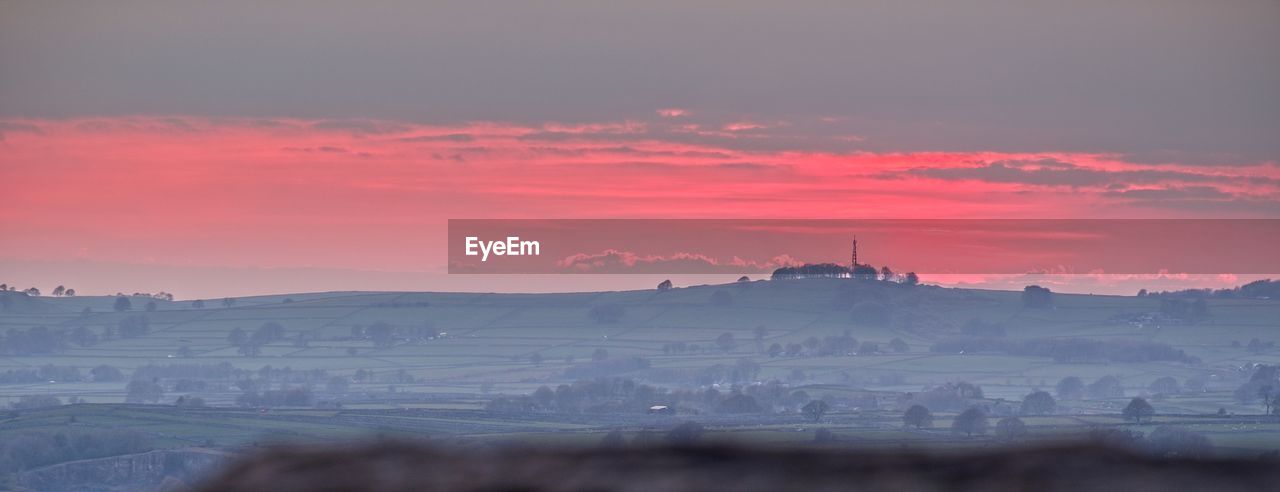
375	195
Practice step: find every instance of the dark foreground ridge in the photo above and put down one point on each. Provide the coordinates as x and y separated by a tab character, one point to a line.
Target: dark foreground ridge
394	466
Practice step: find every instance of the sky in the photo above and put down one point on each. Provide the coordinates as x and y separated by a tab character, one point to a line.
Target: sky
189	147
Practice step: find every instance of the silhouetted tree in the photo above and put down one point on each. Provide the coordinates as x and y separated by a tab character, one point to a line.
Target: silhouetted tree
1261	384
106	374
664	285
918	416
122	304
26	402
816	409
863	272
69	293
134	326
382	333
143	392
1038	403
59	291
189	401
1166	385
1035	296
821	270
1106	387
739	403
970	422
965	389
269	332
912	279
1011	428
1071	388
544	396
1268	395
599	354
1137	410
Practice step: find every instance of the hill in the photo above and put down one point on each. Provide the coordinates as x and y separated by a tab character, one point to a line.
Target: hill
326	366
457	342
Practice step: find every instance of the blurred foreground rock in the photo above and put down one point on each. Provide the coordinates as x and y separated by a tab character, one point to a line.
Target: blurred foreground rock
169	468
391	466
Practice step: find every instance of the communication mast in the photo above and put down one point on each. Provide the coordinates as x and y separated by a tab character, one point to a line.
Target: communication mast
854	260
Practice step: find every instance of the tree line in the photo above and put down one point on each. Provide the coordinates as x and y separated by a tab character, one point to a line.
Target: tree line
25	450
59	291
832	270
1260	289
624	395
1067	350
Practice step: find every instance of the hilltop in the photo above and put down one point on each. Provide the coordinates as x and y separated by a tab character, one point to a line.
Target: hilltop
460	341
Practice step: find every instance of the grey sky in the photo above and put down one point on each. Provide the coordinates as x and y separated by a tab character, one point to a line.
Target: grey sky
1161	80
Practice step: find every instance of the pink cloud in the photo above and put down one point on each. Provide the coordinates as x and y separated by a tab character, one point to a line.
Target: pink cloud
374	195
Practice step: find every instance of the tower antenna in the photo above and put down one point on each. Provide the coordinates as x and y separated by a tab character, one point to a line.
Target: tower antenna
854	259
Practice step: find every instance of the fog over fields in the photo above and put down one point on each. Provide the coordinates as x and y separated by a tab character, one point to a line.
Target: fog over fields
834	360
254	246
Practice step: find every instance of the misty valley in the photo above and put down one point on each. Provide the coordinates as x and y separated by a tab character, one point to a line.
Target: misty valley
178	388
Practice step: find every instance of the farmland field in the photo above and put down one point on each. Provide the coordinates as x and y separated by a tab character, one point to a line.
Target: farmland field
431	365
